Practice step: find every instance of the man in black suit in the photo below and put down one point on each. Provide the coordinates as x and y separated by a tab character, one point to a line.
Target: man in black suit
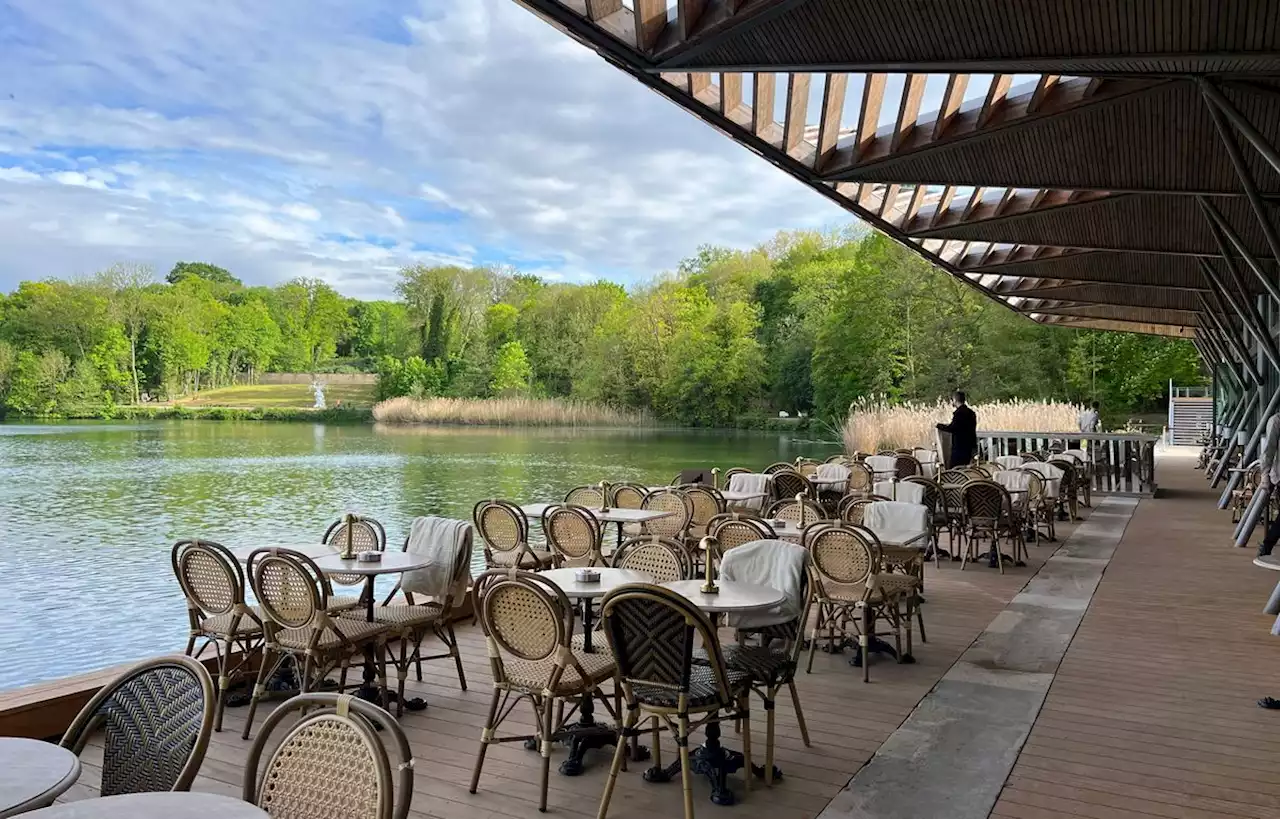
963	429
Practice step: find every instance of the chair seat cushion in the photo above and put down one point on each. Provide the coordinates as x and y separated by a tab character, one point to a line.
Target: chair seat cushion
220	625
761	663
504	560
355	631
344	602
533	675
405	615
702	687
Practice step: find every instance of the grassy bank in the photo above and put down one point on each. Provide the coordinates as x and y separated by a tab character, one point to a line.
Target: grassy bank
332	415
298	396
529	412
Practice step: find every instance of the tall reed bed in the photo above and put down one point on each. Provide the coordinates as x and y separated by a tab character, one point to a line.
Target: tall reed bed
530	412
875	424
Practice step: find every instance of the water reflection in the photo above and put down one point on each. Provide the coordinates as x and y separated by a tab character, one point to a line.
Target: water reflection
90	510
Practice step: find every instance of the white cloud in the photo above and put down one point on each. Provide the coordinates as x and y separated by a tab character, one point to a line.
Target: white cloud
365	139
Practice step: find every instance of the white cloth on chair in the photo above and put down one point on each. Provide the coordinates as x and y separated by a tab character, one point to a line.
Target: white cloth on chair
1009	461
774	563
444	542
831	476
883	464
751	483
1052	476
897	522
908	491
1078	454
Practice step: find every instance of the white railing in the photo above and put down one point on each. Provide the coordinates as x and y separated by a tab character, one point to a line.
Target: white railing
1122	463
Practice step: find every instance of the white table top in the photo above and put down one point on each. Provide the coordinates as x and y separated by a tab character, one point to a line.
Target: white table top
311	550
610	579
733	596
615	514
390	562
165	805
33	774
1271	562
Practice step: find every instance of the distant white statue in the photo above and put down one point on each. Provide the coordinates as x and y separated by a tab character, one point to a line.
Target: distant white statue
317	389
783	414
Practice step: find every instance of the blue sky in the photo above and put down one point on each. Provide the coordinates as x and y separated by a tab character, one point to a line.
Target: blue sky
345	140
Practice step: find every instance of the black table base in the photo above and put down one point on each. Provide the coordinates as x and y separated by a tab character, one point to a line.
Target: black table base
713	761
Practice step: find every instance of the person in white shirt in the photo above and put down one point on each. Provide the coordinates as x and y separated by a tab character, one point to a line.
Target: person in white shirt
1269	465
1089	419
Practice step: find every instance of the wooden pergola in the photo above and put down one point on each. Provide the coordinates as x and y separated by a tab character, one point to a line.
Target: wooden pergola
1090	163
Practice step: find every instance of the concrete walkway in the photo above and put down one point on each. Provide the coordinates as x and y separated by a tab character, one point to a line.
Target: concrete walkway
950	758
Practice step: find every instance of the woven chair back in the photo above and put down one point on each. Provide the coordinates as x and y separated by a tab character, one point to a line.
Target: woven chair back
707	503
733	529
676	502
931	493
800	511
210	576
843	555
780	466
1027	457
502	525
985	501
861	477
789	484
953	476
653	633
289	587
523	615
661	558
855	511
367	535
592	497
156	719
331	762
1068	468
807	467
906	465
1035	487
573	534
628	495
737	470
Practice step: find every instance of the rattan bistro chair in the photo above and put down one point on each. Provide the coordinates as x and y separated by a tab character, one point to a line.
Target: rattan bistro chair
798	510
851	591
1039	508
527	623
293	596
989	514
707	503
661	558
156	718
505	531
590	496
675	525
736	528
776	468
573	534
627	495
331	762
654	633
787	485
214	585
367	534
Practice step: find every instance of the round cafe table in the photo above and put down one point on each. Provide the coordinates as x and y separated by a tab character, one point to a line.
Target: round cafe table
586	733
165	805
1271	562
33	774
711	759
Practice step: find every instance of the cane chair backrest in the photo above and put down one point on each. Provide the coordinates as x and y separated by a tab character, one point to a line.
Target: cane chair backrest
1031	456
986	503
906	465
736	528
211	578
1036	495
842	555
367	535
931	494
861	478
839	459
789	484
290	589
798	510
675	501
527	622
156	719
849	502
661	558
653	633
737	470
1068	467
806	466
976	473
592	497
331	762
780	466
628	495
707	503
573	535
503	525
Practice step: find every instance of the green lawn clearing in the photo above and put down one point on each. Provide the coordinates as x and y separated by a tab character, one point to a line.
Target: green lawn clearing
280	395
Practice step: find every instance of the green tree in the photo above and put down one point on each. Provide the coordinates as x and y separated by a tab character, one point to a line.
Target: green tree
511	371
312	318
201	270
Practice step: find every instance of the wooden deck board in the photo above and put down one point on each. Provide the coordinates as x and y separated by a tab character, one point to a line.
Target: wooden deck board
1152	711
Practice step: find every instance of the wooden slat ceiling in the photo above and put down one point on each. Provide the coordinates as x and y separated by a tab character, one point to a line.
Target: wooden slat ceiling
1075	193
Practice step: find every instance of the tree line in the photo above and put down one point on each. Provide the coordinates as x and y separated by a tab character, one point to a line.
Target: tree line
805	323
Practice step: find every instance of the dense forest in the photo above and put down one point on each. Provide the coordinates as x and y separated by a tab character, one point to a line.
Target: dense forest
805	323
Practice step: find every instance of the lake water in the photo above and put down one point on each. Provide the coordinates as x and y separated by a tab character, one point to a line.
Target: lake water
89	511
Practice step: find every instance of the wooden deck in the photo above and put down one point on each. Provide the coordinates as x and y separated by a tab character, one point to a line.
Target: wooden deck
1151	713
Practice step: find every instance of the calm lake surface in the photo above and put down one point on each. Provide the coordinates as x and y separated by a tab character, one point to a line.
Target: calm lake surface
90	510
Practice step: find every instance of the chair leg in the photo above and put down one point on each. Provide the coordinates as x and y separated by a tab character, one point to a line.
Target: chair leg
264	673
920	621
657	744
864	643
544	746
632	718
490	725
769	706
744	708
795	702
813	637
686	775
912	604
457	659
402	675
